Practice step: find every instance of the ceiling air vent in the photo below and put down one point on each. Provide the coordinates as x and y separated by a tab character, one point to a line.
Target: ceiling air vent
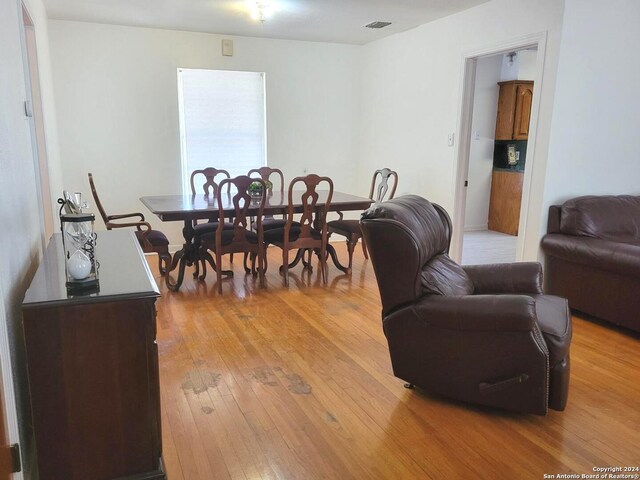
377	25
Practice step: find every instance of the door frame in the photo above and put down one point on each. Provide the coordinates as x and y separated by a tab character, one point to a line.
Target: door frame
6	374
465	116
28	44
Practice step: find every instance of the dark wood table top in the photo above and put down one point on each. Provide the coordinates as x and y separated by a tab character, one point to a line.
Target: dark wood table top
192	207
123	274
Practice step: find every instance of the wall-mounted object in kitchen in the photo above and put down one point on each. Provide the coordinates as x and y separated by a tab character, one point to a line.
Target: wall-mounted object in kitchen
501	155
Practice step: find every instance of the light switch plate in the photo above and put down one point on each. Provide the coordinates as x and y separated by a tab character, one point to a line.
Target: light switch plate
450	139
227	47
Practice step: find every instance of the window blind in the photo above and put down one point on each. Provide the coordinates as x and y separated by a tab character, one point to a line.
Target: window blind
222	121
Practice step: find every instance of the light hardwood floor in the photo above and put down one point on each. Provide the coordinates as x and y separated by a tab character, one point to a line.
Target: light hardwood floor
296	384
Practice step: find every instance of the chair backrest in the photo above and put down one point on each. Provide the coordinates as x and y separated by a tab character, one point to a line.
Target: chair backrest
379	192
312	216
210	185
402	236
242	203
103	214
266	173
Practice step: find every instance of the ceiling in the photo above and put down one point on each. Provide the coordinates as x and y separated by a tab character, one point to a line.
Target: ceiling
338	21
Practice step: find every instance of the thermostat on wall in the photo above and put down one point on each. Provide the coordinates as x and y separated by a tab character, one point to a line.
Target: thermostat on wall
227	48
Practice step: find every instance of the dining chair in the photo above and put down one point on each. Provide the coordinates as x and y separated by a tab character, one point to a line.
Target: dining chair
239	238
380	187
151	241
310	232
266	173
212	177
210	189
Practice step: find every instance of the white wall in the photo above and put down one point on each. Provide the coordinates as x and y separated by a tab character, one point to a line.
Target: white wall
411	96
485	107
118	107
594	140
527	64
523	66
21	233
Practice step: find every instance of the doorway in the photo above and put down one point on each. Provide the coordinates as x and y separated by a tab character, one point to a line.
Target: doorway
497	156
33	110
483	71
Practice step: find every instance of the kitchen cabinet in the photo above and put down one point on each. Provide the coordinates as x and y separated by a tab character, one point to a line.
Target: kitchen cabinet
505	202
92	363
514	110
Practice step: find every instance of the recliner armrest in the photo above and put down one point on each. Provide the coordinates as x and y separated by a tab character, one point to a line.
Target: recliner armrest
506	313
520	277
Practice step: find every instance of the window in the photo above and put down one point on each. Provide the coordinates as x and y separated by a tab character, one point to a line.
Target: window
222	121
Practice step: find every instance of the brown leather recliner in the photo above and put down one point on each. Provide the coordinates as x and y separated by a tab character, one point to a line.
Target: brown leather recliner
483	334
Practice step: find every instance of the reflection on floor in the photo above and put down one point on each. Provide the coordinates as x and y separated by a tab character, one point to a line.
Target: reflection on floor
488	247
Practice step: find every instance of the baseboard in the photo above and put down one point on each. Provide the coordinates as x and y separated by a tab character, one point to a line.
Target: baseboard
476	228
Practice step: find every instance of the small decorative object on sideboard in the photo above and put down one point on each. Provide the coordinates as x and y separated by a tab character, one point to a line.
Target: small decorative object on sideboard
79	243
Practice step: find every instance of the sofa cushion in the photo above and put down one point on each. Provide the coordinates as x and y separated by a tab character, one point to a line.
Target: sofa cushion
607	217
619	257
443	276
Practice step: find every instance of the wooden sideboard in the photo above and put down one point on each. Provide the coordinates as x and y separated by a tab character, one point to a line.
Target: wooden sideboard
93	367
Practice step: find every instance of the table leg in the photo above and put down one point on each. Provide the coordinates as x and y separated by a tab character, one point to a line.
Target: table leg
299	256
183	257
334	257
178	258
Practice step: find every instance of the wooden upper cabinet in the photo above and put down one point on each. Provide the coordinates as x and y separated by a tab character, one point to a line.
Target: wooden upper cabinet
524	98
514	110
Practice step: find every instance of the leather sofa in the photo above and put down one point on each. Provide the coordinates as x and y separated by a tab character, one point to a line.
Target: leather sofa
592	251
482	334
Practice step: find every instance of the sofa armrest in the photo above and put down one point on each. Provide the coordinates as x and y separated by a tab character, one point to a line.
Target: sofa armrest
505	313
553	222
618	257
522	277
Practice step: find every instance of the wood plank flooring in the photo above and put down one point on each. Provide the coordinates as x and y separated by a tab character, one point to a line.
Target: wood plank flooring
296	384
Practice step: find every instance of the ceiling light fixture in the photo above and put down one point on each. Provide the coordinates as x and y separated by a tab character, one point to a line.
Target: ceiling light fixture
261	10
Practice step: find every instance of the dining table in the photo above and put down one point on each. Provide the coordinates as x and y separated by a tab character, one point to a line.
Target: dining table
190	208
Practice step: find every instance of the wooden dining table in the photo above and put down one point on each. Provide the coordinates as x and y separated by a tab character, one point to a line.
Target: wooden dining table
188	208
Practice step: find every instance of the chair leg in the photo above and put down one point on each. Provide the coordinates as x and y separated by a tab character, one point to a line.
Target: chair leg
364	249
352	241
253	262
323	263
264	258
244	263
261	266
285	266
219	271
